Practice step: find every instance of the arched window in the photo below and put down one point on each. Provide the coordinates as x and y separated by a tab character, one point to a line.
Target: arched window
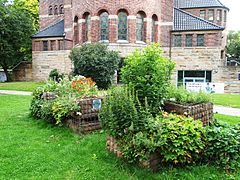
140	27
122	26
87	27
76	31
154	28
104	26
61	9
50	10
56	10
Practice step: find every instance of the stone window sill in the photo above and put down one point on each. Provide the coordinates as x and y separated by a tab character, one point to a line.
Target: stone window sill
104	41
141	42
122	41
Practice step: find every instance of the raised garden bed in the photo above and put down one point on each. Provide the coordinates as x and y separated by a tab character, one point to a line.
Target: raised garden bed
85	121
152	163
203	112
88	120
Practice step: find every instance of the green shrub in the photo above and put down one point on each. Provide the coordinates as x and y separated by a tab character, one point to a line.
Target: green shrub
178	140
64	101
97	62
148	72
223	145
182	96
55	75
121	111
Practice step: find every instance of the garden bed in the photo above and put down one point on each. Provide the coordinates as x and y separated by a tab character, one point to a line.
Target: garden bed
203	111
152	163
88	120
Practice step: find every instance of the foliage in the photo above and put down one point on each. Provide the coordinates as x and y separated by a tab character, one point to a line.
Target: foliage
97	62
43	151
183	96
15	43
179	140
223	145
233	45
121	111
63	107
148	72
55	75
64	101
32	7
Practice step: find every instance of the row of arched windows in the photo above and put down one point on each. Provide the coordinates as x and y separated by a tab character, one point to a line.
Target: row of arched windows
122	32
55	10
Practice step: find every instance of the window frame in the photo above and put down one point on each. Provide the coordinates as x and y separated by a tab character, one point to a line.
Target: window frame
200	14
175	43
211	15
140	27
125	29
104	36
45	45
200	44
187	41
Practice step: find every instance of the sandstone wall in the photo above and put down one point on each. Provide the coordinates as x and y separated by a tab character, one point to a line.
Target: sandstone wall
45	61
207	59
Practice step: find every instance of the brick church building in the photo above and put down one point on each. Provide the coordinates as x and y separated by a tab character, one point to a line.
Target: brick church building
191	32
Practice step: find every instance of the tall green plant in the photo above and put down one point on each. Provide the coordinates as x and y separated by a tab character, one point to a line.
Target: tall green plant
148	72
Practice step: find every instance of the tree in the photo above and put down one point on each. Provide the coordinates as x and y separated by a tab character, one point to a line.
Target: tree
32	7
15	35
233	46
97	62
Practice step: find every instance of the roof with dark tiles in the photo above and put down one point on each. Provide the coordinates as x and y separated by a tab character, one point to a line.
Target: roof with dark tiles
184	21
198	4
55	30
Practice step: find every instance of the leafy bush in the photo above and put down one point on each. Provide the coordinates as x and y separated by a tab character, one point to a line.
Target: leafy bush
148	72
178	140
223	145
183	96
55	75
121	111
97	62
64	101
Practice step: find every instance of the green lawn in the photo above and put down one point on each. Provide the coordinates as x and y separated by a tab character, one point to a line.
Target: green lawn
231	100
229	119
20	86
33	149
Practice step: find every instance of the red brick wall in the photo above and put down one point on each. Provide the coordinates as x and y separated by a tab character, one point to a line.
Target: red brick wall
45	18
196	12
211	39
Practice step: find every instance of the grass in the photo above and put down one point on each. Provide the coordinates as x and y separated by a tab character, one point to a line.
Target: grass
230	100
20	86
229	119
33	149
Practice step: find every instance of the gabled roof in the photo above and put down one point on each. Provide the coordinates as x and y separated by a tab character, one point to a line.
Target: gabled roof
198	4
184	21
55	30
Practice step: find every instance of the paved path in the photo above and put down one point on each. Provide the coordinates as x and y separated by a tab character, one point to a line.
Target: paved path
227	110
11	92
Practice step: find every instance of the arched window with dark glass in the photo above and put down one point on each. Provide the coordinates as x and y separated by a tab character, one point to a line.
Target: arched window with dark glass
50	10
61	9
104	26
56	10
122	26
154	28
76	31
86	27
140	27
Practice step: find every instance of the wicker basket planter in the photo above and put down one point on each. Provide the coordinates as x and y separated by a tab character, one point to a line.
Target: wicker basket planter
152	163
88	120
203	112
